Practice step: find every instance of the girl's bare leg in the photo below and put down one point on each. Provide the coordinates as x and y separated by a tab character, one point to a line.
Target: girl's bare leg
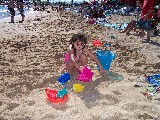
148	34
69	67
142	33
129	27
12	19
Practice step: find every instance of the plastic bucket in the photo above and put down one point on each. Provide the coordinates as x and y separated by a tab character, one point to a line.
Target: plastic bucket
105	57
154	79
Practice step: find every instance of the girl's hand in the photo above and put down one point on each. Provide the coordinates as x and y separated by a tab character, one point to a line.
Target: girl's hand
102	71
76	59
81	68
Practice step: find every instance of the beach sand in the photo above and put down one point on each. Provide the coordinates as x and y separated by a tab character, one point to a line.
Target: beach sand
31	59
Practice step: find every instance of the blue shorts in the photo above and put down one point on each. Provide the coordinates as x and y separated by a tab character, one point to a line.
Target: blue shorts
144	24
21	10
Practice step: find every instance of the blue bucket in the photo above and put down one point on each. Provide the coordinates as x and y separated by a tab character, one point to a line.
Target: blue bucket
64	78
105	57
154	79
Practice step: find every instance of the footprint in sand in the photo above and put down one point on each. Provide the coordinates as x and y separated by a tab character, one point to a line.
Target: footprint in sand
12	106
111	100
17	89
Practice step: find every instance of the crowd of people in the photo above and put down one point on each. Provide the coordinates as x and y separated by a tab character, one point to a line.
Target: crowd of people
93	12
147	21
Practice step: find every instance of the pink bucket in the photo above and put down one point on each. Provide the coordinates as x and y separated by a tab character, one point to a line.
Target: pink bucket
85	75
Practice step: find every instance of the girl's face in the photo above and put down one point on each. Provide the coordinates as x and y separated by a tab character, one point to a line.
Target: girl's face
78	45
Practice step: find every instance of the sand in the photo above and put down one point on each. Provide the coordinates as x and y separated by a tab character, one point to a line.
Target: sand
31	59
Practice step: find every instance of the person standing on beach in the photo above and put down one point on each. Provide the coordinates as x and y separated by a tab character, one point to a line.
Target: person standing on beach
20	8
144	23
146	16
11	6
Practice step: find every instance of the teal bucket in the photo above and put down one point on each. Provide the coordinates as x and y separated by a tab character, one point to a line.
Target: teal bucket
105	57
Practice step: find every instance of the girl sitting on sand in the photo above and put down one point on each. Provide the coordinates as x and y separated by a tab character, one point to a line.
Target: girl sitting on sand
78	53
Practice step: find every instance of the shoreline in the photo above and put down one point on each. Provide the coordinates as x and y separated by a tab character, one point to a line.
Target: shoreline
7	19
7	14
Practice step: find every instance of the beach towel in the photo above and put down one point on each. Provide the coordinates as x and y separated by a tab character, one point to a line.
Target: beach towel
118	26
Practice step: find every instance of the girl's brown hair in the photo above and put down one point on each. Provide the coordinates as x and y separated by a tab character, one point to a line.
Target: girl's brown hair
78	37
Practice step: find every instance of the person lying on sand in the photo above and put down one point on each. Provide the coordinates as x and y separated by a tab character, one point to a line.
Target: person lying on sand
78	53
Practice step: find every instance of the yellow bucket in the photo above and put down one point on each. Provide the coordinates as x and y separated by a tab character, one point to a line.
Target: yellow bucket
78	87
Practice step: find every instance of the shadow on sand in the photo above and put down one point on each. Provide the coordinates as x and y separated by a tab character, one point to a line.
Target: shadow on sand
60	107
91	95
151	42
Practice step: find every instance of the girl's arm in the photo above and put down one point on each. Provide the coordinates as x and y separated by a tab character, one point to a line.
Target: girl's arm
71	52
74	61
91	55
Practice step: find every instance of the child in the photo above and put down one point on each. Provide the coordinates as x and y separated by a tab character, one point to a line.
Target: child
78	53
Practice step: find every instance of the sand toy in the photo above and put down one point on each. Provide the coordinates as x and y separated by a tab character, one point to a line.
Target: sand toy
154	79
113	37
62	93
78	87
97	43
105	57
64	78
52	96
85	75
107	45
